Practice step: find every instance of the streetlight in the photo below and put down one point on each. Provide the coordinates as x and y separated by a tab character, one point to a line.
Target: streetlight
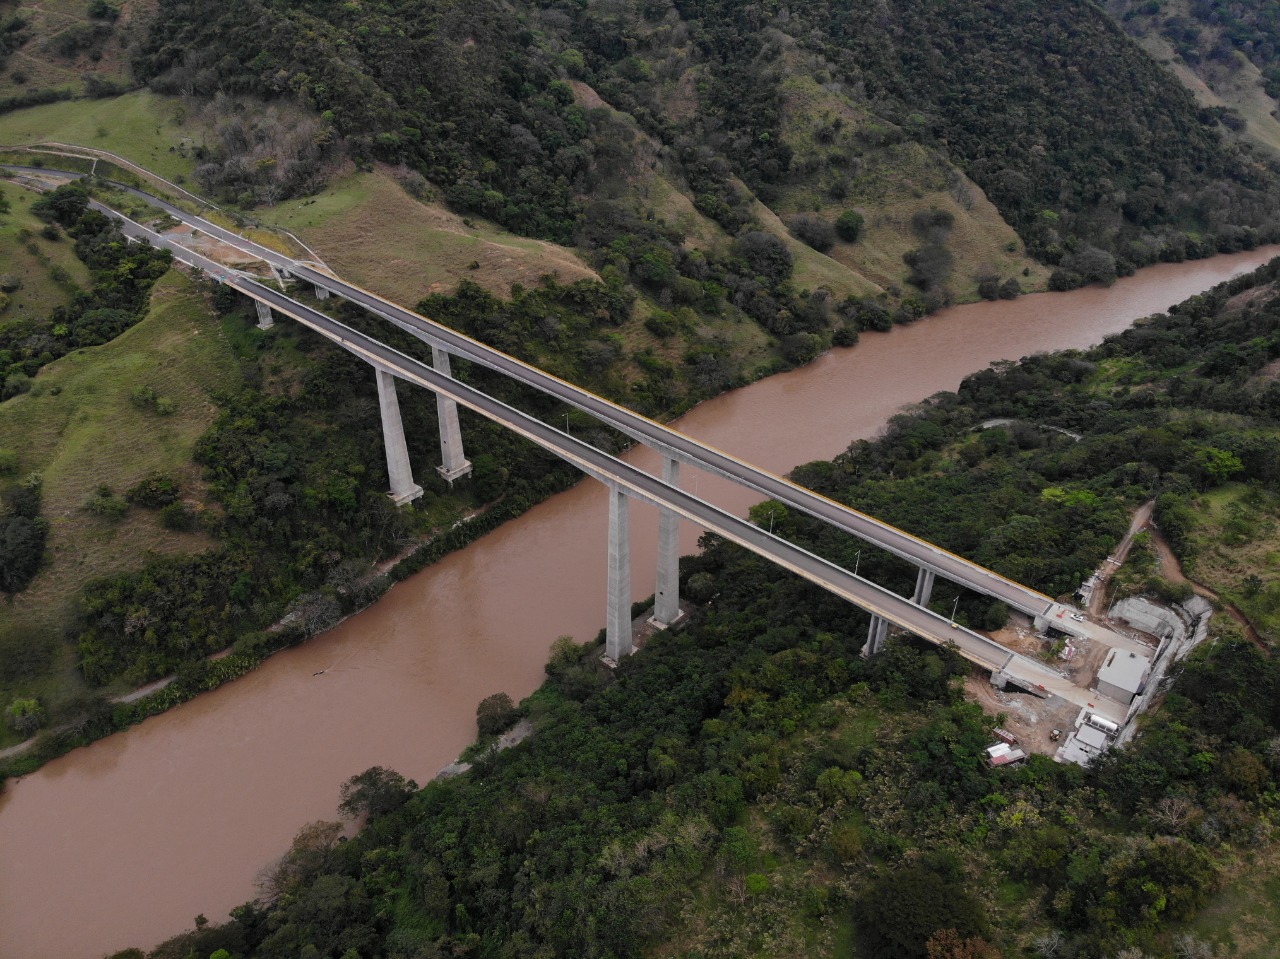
954	607
857	558
566	423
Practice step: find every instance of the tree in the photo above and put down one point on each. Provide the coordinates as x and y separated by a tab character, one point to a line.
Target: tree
1216	465
765	255
948	944
996	616
375	792
903	909
849	226
308	856
815	231
65	205
496	714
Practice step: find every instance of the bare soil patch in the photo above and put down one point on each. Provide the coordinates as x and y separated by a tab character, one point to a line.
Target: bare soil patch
1031	719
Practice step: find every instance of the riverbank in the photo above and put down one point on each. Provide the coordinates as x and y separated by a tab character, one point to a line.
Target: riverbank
119	713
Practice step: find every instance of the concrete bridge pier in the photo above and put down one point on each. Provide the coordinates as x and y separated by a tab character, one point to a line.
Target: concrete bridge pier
454	465
924	587
265	322
876	635
666	596
403	488
617	641
321	292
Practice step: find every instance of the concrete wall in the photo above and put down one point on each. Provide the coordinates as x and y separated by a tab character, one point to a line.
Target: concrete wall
1145	615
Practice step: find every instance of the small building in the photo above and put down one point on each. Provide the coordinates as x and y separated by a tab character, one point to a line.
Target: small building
1083	746
1092	738
1123	676
1002	754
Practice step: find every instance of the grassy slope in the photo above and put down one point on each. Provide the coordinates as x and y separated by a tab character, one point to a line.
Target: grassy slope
141	127
1237	85
368	229
39	61
39	292
79	428
888	184
1245	916
1238	535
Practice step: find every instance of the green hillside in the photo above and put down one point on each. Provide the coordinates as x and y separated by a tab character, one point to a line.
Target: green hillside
80	429
43	273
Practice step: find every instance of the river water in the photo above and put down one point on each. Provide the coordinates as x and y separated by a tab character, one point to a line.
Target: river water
124	842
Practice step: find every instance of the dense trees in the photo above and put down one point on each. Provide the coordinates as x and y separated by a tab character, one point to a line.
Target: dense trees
122	275
1074	133
22	535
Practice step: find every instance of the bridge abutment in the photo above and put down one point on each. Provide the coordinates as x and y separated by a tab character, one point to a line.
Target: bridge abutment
666	595
403	488
265	320
617	641
453	463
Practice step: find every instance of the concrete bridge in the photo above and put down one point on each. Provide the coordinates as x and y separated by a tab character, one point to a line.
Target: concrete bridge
624	480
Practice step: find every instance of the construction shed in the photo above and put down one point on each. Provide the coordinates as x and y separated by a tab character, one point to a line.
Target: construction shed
1123	675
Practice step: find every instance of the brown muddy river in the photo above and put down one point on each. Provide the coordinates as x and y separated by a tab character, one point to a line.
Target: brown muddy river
123	843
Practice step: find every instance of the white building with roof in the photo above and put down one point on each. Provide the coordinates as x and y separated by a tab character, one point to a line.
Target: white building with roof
1122	676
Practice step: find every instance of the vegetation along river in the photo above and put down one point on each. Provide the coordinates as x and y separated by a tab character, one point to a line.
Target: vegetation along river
124	842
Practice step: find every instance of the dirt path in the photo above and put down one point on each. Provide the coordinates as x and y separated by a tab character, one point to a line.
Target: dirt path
1171	570
1098	598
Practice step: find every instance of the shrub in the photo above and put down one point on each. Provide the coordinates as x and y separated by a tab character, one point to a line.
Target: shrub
1062	280
815	231
106	503
765	256
146	398
179	517
25	716
844	336
661	325
800	348
158	489
14	384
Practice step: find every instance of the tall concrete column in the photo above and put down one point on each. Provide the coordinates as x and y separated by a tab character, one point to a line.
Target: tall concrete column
666	597
924	587
877	632
321	292
265	322
403	488
454	465
617	641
